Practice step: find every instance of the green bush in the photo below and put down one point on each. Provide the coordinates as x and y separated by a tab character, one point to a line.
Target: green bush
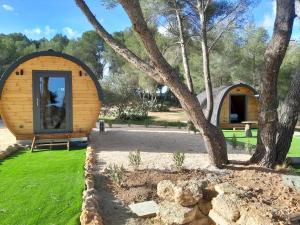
234	141
135	159
115	173
178	159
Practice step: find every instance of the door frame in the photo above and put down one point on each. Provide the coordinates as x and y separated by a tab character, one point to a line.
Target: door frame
246	106
36	74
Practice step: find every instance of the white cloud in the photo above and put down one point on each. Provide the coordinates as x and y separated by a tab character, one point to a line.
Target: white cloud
8	7
48	31
268	21
34	31
163	30
38	32
71	33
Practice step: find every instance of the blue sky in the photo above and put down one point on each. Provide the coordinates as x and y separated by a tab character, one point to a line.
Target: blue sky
38	18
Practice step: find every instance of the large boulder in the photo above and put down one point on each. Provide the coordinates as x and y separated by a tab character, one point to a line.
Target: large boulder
185	193
171	213
227	206
253	217
165	190
227	188
188	193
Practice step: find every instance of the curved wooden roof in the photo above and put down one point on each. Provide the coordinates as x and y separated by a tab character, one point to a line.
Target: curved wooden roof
219	95
50	52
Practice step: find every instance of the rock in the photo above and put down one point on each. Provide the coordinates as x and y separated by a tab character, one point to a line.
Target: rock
226	205
253	217
188	193
202	221
204	206
165	190
90	218
219	219
171	213
226	188
144	209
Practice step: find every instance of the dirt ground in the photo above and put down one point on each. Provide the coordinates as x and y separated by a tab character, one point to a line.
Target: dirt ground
6	138
264	188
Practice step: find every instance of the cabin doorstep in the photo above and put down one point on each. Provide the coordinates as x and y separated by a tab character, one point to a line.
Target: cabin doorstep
49	94
233	105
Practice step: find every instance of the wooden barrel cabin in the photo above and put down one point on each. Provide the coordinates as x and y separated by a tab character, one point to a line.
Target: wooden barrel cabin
50	95
233	105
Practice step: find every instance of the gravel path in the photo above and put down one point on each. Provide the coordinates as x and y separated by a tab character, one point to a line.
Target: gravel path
6	138
156	146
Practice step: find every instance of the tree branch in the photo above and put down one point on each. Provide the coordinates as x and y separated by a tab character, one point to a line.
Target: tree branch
118	47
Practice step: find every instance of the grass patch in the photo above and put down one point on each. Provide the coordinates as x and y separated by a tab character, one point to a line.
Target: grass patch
42	187
242	140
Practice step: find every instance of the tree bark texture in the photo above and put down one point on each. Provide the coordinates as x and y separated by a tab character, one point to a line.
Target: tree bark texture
288	119
185	62
201	6
268	103
161	70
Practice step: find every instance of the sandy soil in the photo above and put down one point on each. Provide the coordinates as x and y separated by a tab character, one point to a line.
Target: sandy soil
6	138
156	145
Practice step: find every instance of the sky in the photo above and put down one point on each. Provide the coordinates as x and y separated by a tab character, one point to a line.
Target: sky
39	18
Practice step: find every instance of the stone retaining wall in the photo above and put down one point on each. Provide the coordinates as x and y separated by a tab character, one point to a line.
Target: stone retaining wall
90	208
9	151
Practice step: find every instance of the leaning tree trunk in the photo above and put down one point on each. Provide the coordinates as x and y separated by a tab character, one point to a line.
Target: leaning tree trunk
268	103
163	73
205	58
185	62
288	119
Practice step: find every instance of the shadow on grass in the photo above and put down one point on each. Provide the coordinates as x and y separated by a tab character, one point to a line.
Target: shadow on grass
14	155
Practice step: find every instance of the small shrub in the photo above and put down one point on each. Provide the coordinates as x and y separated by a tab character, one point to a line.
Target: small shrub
129	124
109	124
234	141
178	159
249	147
115	173
135	159
179	125
166	124
146	123
191	127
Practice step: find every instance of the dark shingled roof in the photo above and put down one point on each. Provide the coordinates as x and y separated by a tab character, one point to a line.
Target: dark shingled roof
219	94
50	52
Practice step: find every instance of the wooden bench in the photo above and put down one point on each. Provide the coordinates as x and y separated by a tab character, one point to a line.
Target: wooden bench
38	141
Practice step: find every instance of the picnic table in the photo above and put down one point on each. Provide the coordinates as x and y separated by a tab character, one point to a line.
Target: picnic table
248	124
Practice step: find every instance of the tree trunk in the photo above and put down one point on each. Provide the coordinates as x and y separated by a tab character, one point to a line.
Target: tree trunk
205	59
275	52
288	119
186	67
161	71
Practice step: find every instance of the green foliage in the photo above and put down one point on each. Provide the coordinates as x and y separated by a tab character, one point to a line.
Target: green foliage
115	173
178	159
234	141
135	159
109	123
49	183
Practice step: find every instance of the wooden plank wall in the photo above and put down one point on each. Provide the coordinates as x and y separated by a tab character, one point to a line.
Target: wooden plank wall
252	108
16	101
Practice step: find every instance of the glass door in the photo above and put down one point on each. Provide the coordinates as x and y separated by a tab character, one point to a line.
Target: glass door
52	101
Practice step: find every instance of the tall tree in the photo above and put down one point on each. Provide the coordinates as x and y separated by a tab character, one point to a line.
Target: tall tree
268	102
161	71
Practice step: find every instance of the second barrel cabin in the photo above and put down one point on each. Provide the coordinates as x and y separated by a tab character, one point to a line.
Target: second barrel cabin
233	105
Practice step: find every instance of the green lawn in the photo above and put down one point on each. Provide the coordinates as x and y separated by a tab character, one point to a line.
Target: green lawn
42	187
241	139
